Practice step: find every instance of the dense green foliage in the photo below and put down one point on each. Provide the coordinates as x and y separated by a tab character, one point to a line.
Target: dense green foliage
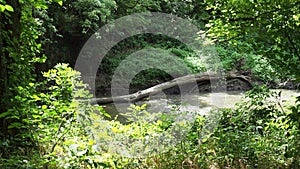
270	28
47	122
47	118
150	77
258	133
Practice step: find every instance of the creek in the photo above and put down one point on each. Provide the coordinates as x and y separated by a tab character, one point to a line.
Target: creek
201	103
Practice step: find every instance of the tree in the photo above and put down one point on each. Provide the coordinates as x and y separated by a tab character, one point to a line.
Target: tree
272	28
20	50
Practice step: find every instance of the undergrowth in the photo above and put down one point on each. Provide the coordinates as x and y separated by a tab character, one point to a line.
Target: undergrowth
56	127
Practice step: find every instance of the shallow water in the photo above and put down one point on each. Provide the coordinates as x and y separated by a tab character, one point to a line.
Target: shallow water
201	103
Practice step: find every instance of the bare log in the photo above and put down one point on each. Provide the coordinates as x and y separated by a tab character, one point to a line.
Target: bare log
201	77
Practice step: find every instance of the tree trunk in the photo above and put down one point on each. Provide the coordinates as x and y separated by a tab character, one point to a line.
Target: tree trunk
188	79
2	74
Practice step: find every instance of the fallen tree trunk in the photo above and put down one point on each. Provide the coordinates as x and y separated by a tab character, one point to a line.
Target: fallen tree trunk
201	77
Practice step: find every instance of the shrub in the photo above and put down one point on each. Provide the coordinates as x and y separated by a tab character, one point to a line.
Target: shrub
51	122
258	133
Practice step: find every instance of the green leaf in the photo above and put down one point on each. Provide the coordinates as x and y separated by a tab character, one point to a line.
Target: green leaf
60	3
44	107
4	114
36	116
9	8
2	8
35	97
106	114
204	140
15	125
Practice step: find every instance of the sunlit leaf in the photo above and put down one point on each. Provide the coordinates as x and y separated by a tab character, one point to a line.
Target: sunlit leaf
2	8
9	8
60	3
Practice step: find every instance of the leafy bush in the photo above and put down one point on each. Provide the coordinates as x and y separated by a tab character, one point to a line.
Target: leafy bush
241	57
258	133
143	141
49	118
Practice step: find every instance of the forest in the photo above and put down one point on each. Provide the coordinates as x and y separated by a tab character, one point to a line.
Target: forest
150	84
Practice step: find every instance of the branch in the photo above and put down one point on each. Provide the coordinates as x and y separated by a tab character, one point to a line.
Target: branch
59	138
